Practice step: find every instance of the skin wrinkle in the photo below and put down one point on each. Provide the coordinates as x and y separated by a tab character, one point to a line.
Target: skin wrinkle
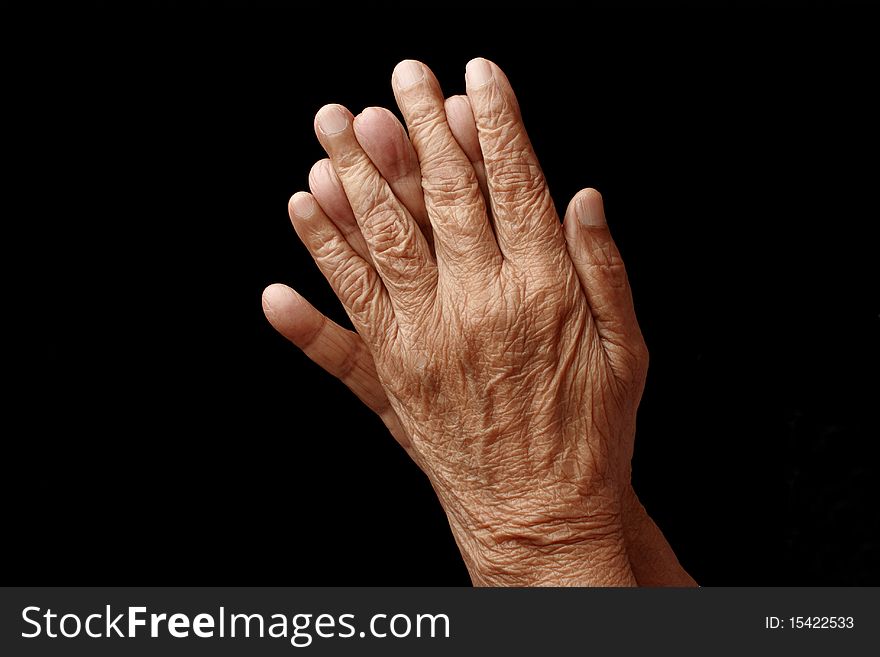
424	119
376	201
387	232
313	336
452	196
349	363
495	369
515	179
385	142
444	173
354	288
348	277
517	183
391	240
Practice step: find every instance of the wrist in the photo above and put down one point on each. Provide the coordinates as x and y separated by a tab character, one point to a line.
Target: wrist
652	559
581	550
593	562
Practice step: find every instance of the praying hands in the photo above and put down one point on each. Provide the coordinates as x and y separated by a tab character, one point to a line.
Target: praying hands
498	344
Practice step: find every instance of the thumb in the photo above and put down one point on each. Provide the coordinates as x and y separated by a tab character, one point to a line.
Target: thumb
339	351
603	277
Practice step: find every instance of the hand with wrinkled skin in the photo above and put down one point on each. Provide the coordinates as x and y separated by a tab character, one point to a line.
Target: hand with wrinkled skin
510	361
343	353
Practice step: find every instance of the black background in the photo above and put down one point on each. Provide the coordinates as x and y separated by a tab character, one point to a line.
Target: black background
171	437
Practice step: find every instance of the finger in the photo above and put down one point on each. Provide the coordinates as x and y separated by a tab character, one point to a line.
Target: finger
398	248
339	351
601	271
328	192
460	117
352	278
385	142
526	222
463	237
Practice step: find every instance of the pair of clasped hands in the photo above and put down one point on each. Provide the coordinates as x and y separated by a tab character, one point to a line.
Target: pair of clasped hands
498	345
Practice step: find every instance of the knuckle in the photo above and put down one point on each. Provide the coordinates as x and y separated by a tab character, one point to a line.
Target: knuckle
349	161
605	257
551	299
516	177
425	117
394	243
385	229
447	174
365	192
497	115
330	250
447	182
551	304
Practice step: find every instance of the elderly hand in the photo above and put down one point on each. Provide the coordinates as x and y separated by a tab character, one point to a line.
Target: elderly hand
508	360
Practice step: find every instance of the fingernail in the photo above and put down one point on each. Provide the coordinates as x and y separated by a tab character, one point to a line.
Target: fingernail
478	72
303	205
407	73
592	210
331	119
